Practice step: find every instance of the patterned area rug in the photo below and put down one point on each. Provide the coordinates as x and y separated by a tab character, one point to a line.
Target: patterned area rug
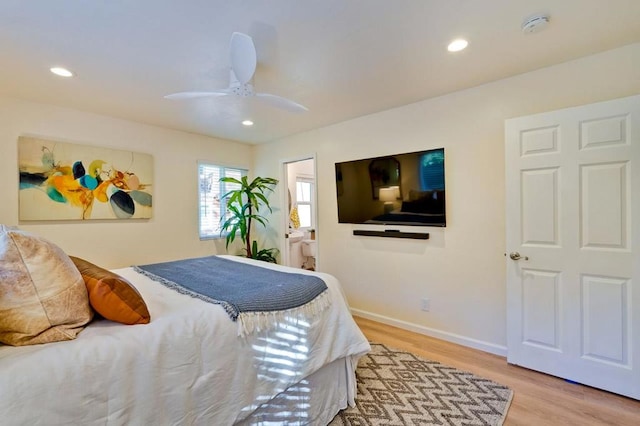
399	388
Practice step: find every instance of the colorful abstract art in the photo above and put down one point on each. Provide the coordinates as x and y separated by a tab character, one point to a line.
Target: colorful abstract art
65	181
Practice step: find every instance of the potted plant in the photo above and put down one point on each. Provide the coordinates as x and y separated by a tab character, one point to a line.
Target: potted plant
243	208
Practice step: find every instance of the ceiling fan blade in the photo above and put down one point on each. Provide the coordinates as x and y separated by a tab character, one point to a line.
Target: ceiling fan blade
191	95
243	57
280	102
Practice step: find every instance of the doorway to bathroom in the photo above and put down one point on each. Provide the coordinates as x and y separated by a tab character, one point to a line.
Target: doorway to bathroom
300	220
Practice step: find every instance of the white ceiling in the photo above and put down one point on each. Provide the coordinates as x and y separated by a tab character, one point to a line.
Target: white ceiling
340	58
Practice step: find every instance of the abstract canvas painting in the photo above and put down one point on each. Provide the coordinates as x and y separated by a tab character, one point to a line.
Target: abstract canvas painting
65	181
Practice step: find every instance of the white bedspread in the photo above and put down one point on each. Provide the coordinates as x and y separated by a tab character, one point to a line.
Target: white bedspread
188	366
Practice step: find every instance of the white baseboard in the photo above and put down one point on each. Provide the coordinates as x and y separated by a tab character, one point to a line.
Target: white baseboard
438	334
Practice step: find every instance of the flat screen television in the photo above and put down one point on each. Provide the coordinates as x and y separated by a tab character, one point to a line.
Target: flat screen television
401	189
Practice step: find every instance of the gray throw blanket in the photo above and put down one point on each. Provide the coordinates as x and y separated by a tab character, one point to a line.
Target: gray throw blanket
256	296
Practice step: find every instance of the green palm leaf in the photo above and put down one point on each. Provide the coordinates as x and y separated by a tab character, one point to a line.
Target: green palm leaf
243	208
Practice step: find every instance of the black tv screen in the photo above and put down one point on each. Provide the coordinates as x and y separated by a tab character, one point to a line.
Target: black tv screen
402	189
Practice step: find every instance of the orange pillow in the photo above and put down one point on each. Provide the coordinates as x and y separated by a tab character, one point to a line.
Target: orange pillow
111	295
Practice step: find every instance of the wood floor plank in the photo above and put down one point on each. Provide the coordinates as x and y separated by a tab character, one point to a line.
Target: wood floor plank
539	399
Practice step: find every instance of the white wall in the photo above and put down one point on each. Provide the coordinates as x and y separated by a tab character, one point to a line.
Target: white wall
461	268
171	234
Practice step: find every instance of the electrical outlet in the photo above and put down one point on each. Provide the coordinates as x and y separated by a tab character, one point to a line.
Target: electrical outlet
425	304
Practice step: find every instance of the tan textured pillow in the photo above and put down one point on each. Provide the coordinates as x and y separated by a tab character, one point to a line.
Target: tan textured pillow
111	295
42	295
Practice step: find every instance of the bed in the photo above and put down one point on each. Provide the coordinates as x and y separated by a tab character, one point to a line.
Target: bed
188	366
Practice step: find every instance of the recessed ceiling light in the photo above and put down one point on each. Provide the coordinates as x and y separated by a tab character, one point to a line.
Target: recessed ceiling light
62	72
247	123
457	45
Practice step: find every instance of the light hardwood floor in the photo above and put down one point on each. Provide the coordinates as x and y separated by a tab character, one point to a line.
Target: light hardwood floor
539	399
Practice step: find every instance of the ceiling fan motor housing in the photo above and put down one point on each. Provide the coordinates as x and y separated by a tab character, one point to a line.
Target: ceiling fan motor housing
244	90
237	88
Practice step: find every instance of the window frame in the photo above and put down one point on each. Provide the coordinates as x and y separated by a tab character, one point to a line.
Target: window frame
223	188
311	181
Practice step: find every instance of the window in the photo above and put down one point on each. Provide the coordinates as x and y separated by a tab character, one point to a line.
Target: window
304	197
210	189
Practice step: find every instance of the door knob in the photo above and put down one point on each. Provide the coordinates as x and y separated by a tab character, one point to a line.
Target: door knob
516	256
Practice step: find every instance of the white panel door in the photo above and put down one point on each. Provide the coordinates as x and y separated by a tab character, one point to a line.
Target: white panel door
573	235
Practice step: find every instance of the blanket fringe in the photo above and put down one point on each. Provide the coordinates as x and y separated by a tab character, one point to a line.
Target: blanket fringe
252	322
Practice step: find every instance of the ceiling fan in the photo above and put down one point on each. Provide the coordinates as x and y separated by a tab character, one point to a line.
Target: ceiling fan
243	67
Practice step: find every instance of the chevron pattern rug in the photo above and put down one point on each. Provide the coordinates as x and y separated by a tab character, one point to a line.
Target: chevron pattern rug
399	388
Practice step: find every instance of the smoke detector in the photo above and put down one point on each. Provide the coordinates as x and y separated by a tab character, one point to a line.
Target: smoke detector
535	24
